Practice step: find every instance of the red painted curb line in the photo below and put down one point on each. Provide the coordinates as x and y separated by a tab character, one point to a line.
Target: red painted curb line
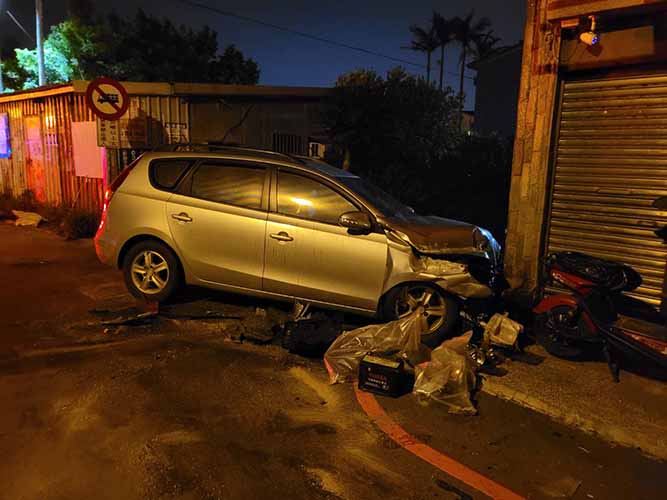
446	464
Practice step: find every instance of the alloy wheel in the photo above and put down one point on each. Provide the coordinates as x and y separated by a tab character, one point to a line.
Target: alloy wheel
433	303
150	272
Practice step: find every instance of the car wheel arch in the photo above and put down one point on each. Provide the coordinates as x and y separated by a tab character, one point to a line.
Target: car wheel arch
140	238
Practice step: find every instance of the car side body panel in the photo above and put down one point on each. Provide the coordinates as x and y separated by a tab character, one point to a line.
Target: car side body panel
325	263
220	243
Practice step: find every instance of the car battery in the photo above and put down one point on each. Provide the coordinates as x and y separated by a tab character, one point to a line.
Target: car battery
384	376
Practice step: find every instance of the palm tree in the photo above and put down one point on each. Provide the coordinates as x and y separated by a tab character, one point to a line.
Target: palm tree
484	45
444	30
424	40
466	32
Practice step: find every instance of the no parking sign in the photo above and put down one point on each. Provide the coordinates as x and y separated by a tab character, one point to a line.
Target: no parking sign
107	98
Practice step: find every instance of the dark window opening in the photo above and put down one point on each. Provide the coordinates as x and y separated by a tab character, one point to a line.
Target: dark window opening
290	144
165	174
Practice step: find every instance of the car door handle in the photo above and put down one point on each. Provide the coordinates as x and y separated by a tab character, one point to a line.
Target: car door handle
182	217
281	236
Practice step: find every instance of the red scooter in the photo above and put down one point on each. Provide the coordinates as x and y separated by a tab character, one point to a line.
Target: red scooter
597	315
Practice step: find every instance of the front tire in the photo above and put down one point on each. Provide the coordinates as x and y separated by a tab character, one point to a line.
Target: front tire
441	312
550	329
151	271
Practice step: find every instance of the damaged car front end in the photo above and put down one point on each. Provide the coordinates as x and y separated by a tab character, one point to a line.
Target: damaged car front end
461	261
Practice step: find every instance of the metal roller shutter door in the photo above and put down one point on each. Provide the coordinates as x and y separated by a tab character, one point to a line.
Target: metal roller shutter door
610	165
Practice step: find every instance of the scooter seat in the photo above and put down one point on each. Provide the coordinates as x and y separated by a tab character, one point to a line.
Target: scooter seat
642	328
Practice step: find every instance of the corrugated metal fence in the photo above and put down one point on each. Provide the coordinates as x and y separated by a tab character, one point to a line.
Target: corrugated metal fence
41	142
41	161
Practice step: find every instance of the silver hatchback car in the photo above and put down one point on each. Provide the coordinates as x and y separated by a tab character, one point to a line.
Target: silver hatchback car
290	228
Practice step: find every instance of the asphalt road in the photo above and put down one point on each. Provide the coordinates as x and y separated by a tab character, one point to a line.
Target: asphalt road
178	409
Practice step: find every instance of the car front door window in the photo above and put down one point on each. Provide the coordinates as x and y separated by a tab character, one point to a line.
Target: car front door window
302	197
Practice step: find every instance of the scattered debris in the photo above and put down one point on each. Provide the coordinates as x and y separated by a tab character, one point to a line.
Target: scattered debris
299	311
27	218
310	337
449	378
134	320
5	214
260	311
565	487
502	331
206	315
400	338
452	489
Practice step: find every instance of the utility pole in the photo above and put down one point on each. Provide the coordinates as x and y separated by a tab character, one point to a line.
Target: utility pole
39	10
2	86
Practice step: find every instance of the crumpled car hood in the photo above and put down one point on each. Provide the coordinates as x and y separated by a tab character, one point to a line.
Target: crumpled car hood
434	235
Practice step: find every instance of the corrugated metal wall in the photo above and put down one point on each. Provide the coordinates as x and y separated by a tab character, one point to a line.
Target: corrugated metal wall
610	165
57	183
161	112
49	170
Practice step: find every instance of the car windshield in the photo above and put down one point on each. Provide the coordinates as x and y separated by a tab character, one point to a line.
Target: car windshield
388	205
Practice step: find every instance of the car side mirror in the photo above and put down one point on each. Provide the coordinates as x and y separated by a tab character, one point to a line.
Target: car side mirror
359	222
660	203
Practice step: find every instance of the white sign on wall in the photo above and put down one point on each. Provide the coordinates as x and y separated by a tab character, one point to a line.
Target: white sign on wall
89	158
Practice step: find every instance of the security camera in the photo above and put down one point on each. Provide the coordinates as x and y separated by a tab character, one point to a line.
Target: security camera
589	38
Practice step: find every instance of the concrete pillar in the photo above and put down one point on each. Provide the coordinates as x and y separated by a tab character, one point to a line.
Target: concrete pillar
530	167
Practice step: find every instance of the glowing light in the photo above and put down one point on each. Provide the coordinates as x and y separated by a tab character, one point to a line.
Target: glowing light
301	202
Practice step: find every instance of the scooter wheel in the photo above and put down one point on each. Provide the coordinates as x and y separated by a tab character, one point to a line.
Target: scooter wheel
549	330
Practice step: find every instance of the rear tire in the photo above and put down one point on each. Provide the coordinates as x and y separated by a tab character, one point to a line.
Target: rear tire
548	331
395	306
151	271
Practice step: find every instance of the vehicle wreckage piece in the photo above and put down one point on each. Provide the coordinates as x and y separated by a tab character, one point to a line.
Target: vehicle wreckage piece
449	378
401	338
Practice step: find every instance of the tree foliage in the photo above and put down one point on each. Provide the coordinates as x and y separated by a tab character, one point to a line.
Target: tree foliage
139	48
402	133
64	49
395	129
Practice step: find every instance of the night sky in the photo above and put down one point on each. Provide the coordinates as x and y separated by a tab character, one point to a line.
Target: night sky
285	59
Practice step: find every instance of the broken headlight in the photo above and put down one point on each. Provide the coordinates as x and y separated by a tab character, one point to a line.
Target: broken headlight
487	244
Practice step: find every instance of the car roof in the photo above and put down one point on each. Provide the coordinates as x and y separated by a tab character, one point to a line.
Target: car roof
242	153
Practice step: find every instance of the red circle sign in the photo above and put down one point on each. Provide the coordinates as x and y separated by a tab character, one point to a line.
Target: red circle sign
107	98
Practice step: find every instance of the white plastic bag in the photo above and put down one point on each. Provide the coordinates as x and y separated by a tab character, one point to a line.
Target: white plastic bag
402	336
449	378
27	218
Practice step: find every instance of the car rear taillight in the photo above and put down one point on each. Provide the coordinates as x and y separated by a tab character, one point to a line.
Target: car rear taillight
113	187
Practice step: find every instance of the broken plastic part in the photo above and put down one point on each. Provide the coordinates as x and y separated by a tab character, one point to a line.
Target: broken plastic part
438	267
502	331
452	277
449	378
402	337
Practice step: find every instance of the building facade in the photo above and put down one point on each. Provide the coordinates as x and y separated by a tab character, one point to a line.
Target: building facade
590	152
52	145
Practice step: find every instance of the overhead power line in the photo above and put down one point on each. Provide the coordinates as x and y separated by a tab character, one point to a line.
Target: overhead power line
302	34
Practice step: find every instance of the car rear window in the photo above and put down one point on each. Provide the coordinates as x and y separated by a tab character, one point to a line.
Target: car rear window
232	185
165	174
